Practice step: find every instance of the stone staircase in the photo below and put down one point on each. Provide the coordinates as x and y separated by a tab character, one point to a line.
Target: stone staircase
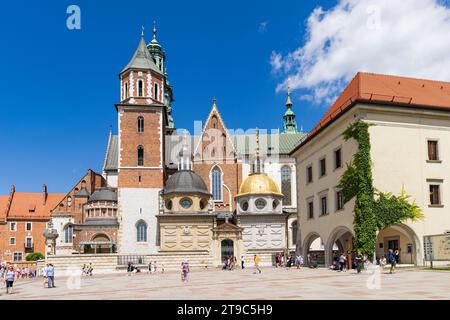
69	265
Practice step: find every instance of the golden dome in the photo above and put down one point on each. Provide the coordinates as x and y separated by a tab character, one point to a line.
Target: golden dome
259	183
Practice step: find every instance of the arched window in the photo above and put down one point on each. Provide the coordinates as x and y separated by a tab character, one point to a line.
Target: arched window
140	155
294	232
141	231
140	124
125	94
286	185
140	88
156	92
216	183
68	234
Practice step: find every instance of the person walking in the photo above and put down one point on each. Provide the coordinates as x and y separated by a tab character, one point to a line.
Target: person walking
154	267
149	267
242	262
359	260
44	273
392	260
256	261
342	259
185	271
51	276
299	260
9	279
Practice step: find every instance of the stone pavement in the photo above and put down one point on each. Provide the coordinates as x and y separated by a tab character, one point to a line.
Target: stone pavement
243	284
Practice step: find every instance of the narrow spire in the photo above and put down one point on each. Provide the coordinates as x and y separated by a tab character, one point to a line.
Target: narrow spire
290	125
258	160
155	31
214	102
142	31
288	100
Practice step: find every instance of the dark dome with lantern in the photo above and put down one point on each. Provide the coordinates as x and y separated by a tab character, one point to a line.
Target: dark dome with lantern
185	181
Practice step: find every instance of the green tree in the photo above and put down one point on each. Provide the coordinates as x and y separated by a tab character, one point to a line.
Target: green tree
34	256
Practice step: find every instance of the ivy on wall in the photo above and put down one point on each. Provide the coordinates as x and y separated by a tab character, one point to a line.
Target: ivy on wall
374	210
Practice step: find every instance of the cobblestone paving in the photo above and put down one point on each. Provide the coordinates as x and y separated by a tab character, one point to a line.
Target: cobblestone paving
243	284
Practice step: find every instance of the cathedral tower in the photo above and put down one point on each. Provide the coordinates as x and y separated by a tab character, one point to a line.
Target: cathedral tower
142	120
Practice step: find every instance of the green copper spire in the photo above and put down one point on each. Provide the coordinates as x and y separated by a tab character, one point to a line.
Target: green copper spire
290	125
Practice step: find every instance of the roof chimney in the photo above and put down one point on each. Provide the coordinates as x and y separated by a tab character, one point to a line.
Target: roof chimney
44	193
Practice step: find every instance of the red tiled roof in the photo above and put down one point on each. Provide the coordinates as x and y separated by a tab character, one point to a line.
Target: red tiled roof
24	201
386	89
3	204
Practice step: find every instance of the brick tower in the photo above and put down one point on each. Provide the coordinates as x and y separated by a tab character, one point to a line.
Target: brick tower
142	125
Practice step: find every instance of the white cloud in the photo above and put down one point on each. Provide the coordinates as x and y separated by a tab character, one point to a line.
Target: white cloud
263	26
401	37
275	61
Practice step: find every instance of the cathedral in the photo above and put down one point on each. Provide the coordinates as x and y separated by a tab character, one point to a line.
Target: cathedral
166	192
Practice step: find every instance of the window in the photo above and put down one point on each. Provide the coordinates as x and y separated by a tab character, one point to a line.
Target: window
338	158
140	88
68	234
244	206
433	150
309	174
18	256
286	185
294	227
28	242
12	241
216	179
186	203
126	90
29	226
140	156
435	195
275	204
140	124
169	205
310	209
141	231
339	200
13	226
322	167
323	206
156	91
260	204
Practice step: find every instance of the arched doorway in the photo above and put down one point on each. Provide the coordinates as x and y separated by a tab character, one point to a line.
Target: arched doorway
402	238
340	241
313	246
227	249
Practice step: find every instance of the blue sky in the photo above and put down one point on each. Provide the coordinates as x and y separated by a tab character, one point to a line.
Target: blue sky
59	86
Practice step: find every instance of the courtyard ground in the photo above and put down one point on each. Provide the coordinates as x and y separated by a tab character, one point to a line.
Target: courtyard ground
243	284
